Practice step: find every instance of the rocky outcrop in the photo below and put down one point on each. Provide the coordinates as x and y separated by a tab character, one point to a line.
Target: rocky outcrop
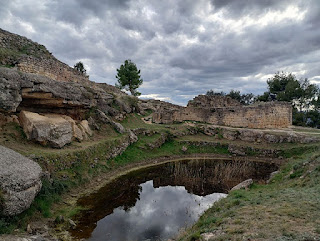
243	185
37	93
257	136
158	142
23	91
144	131
53	129
49	129
19	181
84	126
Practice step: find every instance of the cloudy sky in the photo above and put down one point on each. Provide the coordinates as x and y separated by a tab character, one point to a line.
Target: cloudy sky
183	47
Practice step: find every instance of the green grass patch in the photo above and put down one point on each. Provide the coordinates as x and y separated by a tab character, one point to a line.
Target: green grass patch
287	207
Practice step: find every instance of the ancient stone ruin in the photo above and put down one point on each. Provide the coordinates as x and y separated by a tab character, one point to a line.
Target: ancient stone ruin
31	57
224	111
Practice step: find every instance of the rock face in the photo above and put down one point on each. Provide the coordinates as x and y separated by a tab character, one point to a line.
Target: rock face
19	181
257	136
52	129
46	129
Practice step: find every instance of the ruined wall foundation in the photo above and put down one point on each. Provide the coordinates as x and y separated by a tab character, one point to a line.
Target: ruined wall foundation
30	57
259	115
51	68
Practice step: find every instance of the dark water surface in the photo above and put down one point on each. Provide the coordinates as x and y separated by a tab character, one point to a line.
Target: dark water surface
154	203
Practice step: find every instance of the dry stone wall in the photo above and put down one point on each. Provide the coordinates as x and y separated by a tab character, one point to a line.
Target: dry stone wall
260	115
31	57
51	68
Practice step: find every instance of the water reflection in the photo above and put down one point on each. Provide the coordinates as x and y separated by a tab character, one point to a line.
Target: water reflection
155	202
158	214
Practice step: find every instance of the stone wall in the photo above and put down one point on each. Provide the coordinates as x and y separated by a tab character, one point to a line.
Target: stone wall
50	67
213	101
31	57
261	115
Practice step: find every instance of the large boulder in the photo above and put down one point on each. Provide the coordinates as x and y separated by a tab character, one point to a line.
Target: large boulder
49	129
19	181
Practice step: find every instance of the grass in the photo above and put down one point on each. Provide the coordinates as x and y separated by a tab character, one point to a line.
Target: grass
8	53
286	209
134	121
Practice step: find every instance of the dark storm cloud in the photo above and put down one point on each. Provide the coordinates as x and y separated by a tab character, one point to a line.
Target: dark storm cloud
239	8
182	47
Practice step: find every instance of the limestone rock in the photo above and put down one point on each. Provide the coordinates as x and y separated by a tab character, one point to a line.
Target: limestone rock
158	142
29	229
118	127
72	223
50	129
237	150
19	181
132	137
144	131
230	134
243	185
36	92
105	119
272	176
184	149
77	134
124	104
10	97
250	135
93	124
84	125
211	235
272	138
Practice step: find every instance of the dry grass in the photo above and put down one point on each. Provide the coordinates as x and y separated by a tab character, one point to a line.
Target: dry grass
286	209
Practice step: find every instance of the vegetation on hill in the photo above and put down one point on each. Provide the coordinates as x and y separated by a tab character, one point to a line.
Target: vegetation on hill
80	67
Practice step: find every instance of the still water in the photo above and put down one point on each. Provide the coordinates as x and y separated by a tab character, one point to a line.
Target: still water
154	203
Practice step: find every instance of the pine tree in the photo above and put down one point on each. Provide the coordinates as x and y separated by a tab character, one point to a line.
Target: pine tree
129	77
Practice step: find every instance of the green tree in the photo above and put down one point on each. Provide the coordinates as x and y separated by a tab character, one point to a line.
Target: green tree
129	77
235	94
285	87
245	99
213	93
80	67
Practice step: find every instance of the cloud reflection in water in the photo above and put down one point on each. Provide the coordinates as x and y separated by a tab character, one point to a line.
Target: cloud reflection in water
158	214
